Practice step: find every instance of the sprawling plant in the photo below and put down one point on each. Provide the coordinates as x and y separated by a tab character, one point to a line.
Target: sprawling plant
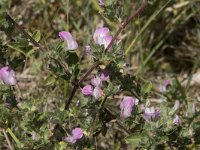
101	99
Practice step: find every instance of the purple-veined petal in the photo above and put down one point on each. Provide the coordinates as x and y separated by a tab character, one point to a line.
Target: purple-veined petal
99	35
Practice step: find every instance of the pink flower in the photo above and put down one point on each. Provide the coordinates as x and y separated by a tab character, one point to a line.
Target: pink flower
101	36
94	89
151	114
87	49
105	75
97	93
177	120
8	76
101	3
87	90
127	105
164	85
77	134
96	81
71	42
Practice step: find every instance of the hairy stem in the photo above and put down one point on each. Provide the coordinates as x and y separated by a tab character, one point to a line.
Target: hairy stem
121	28
76	85
123	25
35	43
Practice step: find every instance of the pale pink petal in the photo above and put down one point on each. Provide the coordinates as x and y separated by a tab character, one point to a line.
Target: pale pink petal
126	106
99	35
106	41
77	133
97	93
8	76
71	42
96	81
87	90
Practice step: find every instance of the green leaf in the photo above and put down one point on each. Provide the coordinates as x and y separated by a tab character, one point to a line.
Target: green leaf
37	35
14	137
146	88
111	89
50	80
133	139
72	58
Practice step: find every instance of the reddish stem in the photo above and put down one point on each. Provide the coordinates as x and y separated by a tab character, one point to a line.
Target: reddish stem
20	28
121	28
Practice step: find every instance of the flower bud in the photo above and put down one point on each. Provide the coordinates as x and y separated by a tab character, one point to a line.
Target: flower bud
105	75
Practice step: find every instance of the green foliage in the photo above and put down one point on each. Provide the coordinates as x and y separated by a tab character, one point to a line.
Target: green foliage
162	42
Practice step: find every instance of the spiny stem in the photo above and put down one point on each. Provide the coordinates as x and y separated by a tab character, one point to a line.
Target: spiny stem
121	28
35	43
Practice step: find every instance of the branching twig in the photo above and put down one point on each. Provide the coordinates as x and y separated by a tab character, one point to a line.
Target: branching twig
123	25
35	43
121	28
76	85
